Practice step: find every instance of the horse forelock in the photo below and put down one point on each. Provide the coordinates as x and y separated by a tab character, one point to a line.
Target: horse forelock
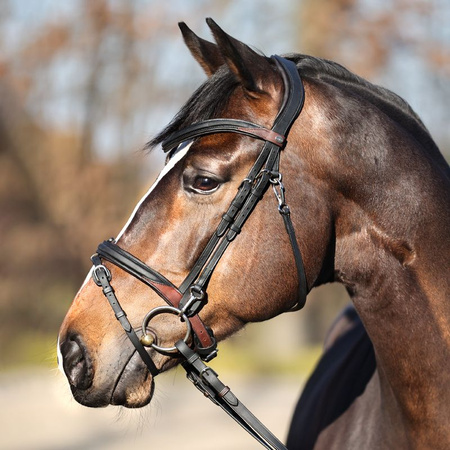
207	102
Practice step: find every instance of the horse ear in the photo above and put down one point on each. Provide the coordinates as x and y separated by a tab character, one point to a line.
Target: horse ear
252	69
205	53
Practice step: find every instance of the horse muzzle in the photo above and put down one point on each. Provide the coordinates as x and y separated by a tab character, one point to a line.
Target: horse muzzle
122	379
76	363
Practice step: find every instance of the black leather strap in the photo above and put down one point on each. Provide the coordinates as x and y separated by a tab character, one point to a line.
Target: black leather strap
206	380
301	276
253	187
235	227
294	95
128	262
214	126
229	217
110	251
102	278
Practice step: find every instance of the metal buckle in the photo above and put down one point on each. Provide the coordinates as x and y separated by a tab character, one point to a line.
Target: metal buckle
279	191
197	294
96	276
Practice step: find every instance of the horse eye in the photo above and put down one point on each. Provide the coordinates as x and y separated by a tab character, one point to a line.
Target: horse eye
205	185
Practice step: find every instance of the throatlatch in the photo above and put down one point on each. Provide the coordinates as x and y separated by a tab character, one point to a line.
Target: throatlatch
188	300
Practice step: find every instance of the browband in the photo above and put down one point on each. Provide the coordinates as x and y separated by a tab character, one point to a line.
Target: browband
214	126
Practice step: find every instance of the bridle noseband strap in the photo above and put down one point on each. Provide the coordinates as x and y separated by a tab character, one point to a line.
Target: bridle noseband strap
110	251
126	261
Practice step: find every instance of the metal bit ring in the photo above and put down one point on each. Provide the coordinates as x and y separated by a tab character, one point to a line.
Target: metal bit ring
165	310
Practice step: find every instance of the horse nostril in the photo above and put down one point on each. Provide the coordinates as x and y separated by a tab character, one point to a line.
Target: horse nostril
77	366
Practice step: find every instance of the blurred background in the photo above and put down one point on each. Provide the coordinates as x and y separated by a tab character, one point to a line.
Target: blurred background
84	84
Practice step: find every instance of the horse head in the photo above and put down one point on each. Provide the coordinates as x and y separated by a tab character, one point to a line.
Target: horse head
254	280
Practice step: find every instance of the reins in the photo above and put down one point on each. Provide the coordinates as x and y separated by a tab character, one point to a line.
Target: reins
188	299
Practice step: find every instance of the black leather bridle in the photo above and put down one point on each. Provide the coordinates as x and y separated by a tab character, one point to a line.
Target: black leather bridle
187	300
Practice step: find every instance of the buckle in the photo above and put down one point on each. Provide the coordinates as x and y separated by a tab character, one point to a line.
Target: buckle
194	303
96	276
206	353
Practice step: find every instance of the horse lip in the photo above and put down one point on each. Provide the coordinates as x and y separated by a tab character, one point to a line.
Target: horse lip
99	400
133	388
130	389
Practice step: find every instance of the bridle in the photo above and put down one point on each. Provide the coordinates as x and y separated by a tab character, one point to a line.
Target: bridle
187	300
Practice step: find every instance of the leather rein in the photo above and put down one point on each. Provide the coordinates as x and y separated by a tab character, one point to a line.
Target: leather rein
187	300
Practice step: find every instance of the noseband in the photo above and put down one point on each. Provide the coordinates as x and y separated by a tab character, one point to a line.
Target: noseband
187	300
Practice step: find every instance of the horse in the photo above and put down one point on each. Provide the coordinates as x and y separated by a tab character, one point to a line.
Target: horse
364	194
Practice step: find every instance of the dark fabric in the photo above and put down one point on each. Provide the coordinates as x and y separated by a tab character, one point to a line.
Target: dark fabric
340	376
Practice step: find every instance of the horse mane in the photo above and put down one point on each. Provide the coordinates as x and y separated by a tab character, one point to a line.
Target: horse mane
211	98
385	100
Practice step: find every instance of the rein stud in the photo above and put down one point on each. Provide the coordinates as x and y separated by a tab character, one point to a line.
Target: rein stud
147	340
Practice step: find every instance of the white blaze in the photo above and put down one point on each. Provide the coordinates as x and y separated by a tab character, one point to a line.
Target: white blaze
180	153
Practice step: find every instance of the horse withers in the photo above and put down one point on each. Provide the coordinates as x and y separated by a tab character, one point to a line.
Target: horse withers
366	204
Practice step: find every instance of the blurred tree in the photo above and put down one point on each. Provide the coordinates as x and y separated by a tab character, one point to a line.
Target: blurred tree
404	44
63	85
366	35
83	83
82	86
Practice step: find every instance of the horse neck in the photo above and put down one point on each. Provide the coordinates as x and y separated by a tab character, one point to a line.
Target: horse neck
392	225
